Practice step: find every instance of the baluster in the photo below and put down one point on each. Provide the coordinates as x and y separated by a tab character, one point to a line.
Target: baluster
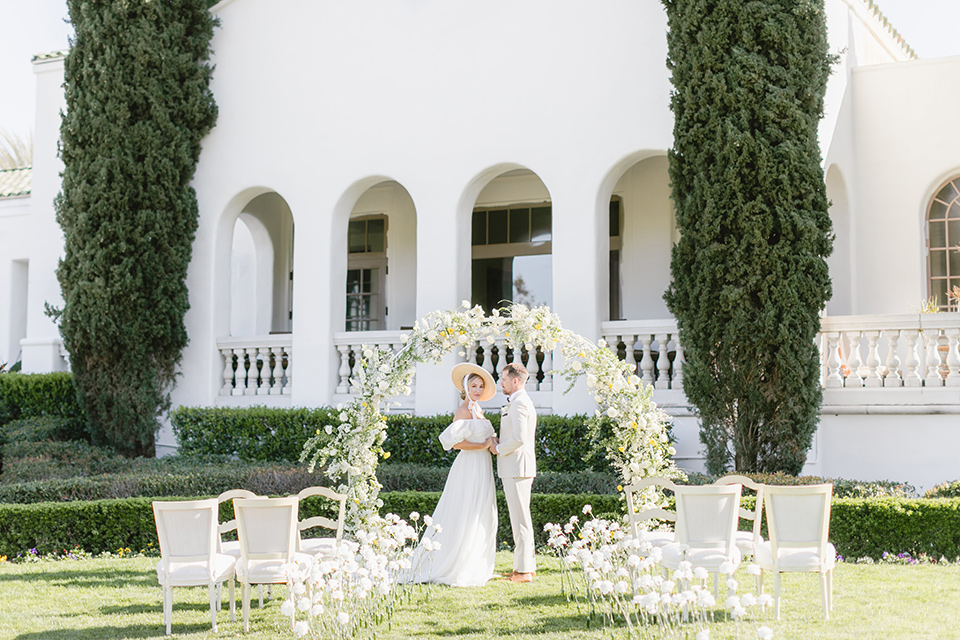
646	362
252	372
893	377
344	385
547	368
533	368
227	388
288	385
911	375
677	382
630	345
953	358
241	374
872	377
501	358
932	340
834	379
663	363
853	361
488	358
276	388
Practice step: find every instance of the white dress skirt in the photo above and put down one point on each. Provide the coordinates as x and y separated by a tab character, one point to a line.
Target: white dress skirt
466	513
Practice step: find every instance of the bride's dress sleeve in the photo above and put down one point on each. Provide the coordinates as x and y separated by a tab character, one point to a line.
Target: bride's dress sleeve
457	432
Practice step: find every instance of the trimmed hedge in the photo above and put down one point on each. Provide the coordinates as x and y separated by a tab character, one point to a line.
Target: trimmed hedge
108	525
35	395
859	526
841	488
274	435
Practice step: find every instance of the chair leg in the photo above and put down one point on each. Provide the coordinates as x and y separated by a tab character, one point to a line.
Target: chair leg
245	596
214	605
260	593
233	600
830	588
776	596
167	608
825	594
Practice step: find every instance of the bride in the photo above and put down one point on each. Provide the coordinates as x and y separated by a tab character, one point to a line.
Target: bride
467	510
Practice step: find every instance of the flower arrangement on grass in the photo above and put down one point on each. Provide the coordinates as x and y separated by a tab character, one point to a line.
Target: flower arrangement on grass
623	582
351	594
637	443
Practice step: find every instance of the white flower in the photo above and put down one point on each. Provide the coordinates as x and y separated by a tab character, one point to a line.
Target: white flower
765	600
465	304
431	335
317	610
287	607
301	628
414	516
368	353
428	520
748	600
704	635
732	584
303	604
754	569
343	617
587	509
727	568
700	573
764	633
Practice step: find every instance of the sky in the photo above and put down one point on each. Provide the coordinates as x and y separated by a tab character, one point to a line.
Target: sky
28	27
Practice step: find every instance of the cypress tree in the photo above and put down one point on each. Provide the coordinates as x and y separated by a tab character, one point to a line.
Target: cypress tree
138	102
749	274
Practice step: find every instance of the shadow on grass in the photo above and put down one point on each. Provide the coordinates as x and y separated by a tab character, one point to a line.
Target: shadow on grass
85	578
115	633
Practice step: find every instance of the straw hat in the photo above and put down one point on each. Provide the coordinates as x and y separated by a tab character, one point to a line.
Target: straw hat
465	369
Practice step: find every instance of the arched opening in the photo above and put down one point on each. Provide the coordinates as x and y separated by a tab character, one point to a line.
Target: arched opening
943	246
261	268
381	274
840	261
642	231
511	242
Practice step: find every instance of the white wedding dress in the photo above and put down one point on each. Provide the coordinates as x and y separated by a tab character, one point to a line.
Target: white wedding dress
466	513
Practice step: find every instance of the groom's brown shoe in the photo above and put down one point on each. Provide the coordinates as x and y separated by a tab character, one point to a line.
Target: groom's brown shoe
521	577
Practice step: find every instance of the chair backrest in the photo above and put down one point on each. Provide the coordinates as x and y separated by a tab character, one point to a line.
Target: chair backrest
267	528
798	516
187	531
323	521
757	514
231	525
648	488
707	516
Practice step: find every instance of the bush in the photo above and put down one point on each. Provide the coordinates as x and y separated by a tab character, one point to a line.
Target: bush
35	395
841	488
945	490
418	477
275	435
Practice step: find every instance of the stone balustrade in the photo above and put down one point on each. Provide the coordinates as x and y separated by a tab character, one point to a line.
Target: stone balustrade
651	346
257	365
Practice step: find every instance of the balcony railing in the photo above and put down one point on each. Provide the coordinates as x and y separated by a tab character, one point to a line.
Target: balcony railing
257	365
856	352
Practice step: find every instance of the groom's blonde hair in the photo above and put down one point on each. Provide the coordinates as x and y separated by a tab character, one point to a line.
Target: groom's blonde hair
517	371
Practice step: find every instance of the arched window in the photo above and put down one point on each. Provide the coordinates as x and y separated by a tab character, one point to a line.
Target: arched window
943	236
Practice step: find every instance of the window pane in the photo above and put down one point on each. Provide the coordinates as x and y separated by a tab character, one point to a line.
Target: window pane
540	223
479	228
353	307
364	306
491	282
497	227
953	233
939	289
519	225
614	218
938	210
370	280
375	235
948	193
955	263
954	212
938	235
356	236
533	280
938	263
353	281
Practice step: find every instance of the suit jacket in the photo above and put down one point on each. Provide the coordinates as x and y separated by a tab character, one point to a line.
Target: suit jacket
516	456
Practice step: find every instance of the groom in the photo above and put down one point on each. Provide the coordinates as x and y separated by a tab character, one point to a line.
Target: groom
517	466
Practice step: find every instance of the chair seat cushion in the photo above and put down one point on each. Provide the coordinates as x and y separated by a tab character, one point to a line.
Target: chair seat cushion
231	548
269	571
183	574
795	559
744	541
326	547
659	538
709	559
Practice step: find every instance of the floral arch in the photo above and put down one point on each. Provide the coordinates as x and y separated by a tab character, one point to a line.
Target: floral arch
637	444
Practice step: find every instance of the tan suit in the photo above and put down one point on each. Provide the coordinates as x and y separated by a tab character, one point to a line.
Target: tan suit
517	466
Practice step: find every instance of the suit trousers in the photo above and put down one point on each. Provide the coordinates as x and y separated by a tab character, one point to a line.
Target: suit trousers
517	492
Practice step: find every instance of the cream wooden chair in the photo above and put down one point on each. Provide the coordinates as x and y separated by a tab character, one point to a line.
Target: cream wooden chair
324	547
188	553
267	529
231	547
638	519
798	523
706	529
747	541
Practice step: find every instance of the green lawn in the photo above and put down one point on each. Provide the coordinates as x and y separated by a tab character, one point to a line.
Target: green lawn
120	598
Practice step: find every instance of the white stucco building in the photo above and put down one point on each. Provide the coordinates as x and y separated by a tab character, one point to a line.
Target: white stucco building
399	157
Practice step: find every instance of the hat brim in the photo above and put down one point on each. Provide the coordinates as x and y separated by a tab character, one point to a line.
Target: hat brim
466	368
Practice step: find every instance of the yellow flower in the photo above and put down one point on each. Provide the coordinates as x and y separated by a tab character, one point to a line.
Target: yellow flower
386	454
622	449
3	558
619	487
537	327
318	431
633	425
